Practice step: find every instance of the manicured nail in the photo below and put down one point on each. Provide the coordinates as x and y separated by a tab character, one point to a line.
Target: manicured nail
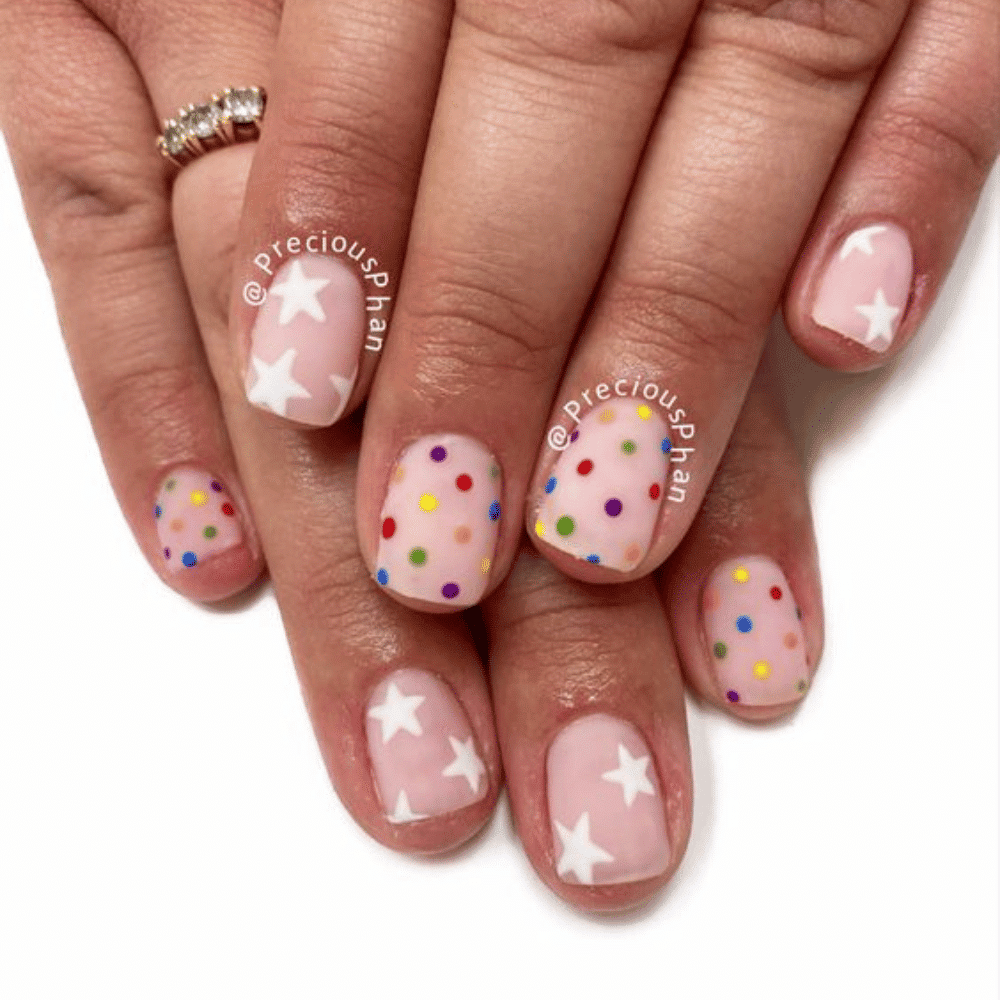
754	633
605	804
603	496
422	750
866	287
195	518
440	521
306	343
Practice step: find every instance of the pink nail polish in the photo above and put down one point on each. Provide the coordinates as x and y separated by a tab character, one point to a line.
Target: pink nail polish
306	343
603	497
424	756
195	518
605	804
440	521
866	287
754	633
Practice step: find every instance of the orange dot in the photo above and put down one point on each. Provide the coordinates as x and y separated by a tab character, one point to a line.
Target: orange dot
633	553
607	416
791	640
176	524
712	599
463	534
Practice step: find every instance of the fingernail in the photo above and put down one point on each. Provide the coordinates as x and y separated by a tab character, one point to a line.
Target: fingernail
306	343
866	287
605	804
603	496
754	633
440	521
424	756
195	518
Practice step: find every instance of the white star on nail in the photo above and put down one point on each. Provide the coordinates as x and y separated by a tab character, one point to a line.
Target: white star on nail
880	316
298	294
398	711
466	763
631	775
275	386
861	240
580	853
403	813
344	387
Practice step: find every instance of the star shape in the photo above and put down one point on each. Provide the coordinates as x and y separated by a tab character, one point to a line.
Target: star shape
398	711
579	852
344	387
466	763
275	386
861	240
403	813
880	316
298	294
631	775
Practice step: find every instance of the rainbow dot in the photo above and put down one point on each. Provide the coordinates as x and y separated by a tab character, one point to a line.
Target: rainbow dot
633	553
210	531
495	510
227	509
170	484
398	474
216	487
629	447
776	593
798	613
494	472
189	559
464	483
732	696
418	556
463	534
551	484
801	686
607	416
485	565
654	491
539	529
585	467
665	446
720	649
439	454
382	576
593	559
565	525
157	511
574	436
762	670
743	623
644	412
166	553
199	498
176	524
428	502
741	574
791	640
450	591
388	528
613	507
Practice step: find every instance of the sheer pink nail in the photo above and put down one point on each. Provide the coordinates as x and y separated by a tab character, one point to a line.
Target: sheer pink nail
195	518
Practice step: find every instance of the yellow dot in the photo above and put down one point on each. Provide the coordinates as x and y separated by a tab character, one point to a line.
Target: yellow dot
741	574
199	499
486	566
762	670
539	529
428	502
644	412
398	474
607	416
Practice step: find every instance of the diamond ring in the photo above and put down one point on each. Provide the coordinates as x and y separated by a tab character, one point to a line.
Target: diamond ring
232	116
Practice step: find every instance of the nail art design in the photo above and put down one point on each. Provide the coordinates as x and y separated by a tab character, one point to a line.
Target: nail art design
866	286
195	518
440	521
754	633
306	343
605	806
424	756
604	494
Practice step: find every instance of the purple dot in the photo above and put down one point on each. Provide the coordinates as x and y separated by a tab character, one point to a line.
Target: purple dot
450	590
613	507
439	454
216	486
574	436
166	553
732	696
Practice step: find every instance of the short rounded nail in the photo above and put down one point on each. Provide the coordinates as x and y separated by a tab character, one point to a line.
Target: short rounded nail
865	288
603	495
605	805
306	343
754	633
196	519
424	756
440	521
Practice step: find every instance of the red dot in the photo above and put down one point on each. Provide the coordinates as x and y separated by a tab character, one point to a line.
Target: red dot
776	593
388	528
585	467
654	491
464	483
227	509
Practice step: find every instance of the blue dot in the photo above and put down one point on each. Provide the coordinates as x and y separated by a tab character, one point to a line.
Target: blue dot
495	511
382	576
593	559
743	623
157	511
189	559
665	446
550	485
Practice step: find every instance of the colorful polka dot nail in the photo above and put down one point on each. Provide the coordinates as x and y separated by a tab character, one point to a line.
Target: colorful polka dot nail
195	518
754	633
440	521
603	498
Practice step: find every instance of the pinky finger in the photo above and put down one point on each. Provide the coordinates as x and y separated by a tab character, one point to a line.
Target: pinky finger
98	206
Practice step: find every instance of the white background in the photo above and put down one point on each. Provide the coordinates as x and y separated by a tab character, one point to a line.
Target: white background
167	829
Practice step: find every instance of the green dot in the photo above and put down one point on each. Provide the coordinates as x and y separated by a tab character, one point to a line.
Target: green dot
418	557
171	483
720	649
565	525
210	532
629	447
494	471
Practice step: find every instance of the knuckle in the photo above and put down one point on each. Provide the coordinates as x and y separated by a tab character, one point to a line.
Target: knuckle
329	589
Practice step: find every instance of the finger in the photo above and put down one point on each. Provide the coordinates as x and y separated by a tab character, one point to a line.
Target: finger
80	128
758	104
742	592
330	199
539	123
891	220
590	715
